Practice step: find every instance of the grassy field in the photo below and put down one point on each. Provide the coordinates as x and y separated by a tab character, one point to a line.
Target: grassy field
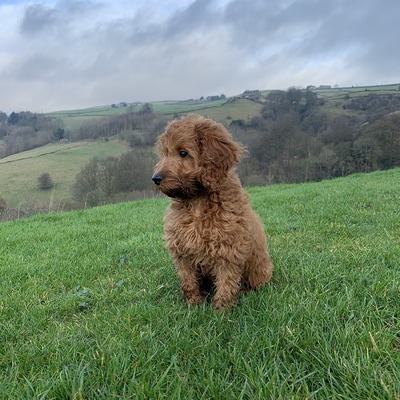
163	107
19	172
75	118
221	110
356	91
238	109
90	306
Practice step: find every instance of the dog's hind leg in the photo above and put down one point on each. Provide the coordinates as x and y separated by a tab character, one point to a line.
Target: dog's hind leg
258	271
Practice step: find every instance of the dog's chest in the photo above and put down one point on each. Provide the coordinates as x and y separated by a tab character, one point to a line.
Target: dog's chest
199	230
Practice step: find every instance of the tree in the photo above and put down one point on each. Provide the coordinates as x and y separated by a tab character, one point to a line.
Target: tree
45	182
366	152
59	134
13	118
133	171
3	117
146	109
87	187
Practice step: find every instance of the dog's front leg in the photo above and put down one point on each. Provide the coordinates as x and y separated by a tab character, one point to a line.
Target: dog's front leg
190	282
227	287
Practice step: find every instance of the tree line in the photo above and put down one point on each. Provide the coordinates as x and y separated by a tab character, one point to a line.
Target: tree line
295	138
25	130
21	131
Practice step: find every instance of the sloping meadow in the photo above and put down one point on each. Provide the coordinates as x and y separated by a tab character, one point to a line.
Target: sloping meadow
90	305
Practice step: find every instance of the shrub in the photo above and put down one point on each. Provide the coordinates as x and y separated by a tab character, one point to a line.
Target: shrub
45	182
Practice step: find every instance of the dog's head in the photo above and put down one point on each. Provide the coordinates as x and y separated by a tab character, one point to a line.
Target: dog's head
196	156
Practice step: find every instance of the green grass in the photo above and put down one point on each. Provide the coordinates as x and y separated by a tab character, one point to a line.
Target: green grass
239	109
221	110
90	305
162	107
19	172
72	119
184	107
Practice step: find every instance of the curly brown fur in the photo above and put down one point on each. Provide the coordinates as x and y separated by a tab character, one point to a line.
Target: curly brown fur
210	229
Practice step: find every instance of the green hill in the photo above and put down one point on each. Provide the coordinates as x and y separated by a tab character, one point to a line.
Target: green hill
90	305
347	130
221	110
19	172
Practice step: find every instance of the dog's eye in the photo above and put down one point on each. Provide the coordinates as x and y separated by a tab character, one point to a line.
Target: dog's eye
183	154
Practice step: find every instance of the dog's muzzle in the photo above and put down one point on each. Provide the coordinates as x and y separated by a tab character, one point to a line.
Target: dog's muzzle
157	178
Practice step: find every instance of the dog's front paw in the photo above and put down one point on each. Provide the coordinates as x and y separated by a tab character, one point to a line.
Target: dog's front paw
195	299
223	303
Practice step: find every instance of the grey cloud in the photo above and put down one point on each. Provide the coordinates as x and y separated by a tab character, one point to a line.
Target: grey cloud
268	23
38	18
313	29
205	46
39	66
78	7
199	15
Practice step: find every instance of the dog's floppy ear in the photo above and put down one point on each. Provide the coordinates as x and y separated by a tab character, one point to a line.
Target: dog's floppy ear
218	152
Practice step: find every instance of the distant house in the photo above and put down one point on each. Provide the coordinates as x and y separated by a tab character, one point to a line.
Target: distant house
251	94
122	104
324	87
311	87
212	98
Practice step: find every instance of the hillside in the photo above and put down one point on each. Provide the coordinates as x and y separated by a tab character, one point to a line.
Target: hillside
63	160
292	136
90	305
221	110
19	172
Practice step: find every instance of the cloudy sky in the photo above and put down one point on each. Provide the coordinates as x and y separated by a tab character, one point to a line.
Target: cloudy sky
68	54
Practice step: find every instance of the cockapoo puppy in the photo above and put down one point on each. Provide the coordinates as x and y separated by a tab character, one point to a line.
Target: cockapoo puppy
210	229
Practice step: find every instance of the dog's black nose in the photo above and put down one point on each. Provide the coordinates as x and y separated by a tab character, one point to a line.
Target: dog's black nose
157	178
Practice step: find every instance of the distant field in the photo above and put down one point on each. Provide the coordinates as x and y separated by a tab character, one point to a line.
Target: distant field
336	93
239	109
74	118
163	107
341	92
184	107
221	110
19	172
